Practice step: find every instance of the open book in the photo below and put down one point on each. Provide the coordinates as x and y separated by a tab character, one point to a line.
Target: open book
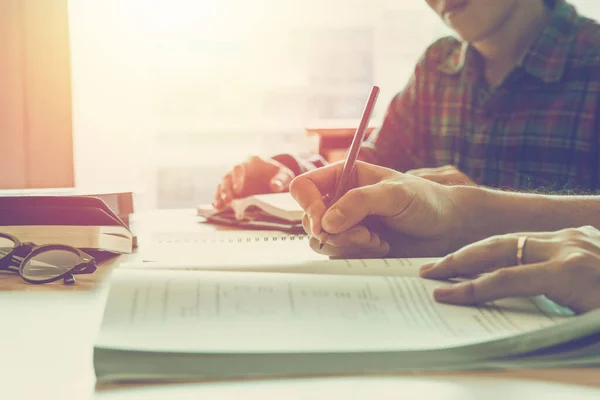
262	211
322	317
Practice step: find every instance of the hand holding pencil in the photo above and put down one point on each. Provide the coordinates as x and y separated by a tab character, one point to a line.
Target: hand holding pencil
352	155
355	209
384	213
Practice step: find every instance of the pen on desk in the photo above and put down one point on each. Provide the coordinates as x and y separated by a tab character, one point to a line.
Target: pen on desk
352	155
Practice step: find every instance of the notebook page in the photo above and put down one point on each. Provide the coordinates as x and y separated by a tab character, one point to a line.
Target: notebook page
377	266
202	311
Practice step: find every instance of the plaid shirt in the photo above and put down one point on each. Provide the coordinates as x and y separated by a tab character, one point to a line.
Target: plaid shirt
539	128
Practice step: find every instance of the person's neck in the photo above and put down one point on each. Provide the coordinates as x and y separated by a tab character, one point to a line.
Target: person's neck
504	48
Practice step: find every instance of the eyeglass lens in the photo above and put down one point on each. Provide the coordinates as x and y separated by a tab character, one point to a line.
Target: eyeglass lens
49	264
6	245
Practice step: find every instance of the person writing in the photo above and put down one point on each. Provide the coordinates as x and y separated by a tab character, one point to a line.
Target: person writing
513	104
514	244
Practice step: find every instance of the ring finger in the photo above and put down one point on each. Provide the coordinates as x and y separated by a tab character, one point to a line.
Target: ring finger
491	254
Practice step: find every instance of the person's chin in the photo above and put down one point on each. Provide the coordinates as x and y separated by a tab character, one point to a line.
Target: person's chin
469	36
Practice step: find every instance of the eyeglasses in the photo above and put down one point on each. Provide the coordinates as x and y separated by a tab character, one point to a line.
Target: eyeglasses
44	263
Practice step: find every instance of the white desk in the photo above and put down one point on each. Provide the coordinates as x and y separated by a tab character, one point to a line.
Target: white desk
47	337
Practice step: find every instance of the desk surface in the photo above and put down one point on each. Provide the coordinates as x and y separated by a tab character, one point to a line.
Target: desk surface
49	330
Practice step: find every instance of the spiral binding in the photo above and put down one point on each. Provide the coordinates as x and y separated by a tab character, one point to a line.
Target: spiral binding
234	240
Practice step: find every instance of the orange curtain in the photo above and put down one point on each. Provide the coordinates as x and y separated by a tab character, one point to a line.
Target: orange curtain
35	95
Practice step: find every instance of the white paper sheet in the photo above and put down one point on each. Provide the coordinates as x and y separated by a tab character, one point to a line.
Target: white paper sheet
255	312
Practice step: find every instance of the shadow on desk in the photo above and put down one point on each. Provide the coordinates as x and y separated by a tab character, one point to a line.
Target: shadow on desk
9	281
516	384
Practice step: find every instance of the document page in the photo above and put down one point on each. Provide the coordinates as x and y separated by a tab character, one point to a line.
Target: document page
362	266
281	205
206	311
278	204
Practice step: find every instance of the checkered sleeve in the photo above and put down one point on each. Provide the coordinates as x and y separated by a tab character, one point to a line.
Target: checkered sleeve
299	165
395	143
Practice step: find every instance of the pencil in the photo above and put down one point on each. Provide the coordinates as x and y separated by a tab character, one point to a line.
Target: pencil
352	155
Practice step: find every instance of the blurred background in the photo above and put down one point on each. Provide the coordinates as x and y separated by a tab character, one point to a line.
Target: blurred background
167	95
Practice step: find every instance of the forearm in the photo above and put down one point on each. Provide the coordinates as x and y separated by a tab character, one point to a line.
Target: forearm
299	165
486	212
